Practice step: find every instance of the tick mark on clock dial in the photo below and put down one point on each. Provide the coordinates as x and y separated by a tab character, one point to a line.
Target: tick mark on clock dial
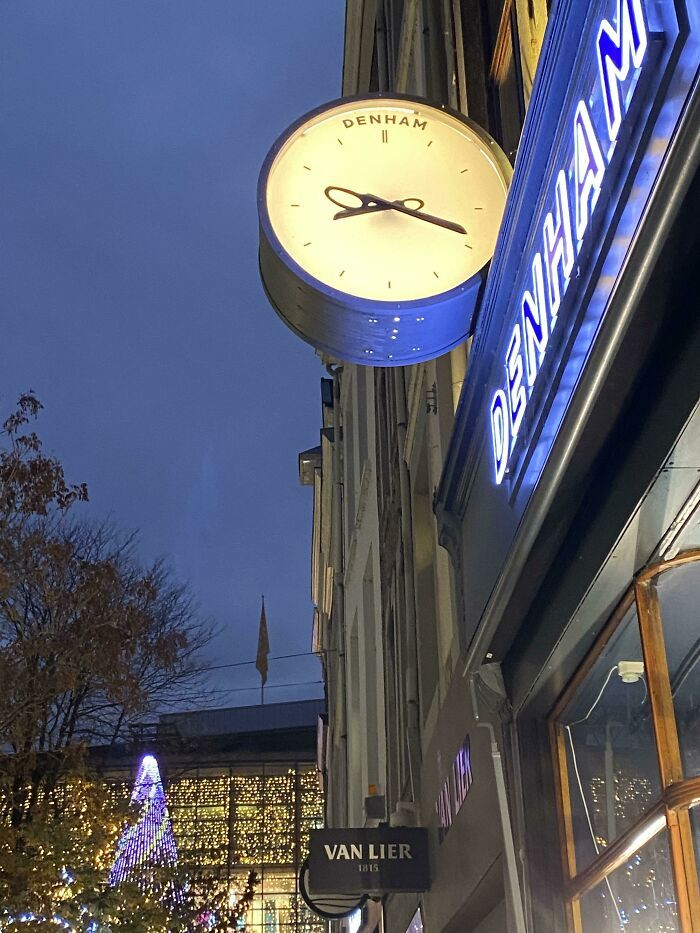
340	141
430	144
308	244
463	171
435	274
341	274
307	168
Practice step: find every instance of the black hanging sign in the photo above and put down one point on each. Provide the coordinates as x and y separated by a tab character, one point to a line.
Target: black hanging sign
372	861
327	905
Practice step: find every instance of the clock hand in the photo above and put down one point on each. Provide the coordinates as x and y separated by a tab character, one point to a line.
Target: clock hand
370	203
402	209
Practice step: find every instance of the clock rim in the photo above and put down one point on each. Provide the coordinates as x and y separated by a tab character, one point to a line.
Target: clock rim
469	292
339	295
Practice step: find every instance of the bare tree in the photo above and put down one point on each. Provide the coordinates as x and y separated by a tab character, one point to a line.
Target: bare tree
31	483
90	639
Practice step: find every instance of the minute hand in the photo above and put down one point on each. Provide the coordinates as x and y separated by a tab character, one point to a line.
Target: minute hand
372	202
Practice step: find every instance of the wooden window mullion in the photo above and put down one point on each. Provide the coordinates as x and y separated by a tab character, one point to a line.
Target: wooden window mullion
503	49
460	64
658	683
684	870
668	751
562	789
566	830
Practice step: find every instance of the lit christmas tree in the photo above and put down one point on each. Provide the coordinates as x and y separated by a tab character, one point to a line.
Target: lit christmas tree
147	857
148	844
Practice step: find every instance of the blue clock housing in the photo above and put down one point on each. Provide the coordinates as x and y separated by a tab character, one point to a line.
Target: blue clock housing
358	329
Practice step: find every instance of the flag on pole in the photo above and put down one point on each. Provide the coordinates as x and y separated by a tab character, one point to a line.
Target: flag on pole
263	646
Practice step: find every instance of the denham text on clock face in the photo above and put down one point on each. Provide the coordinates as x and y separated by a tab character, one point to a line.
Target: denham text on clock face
387	200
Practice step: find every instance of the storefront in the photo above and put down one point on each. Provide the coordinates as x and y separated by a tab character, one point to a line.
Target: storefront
626	740
569	501
460	804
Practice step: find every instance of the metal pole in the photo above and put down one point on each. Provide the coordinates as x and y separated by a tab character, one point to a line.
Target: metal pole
512	876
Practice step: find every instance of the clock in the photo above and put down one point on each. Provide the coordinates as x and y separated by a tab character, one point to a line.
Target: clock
378	216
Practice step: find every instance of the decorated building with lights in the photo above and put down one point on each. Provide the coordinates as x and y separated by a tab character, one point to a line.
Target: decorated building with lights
239	793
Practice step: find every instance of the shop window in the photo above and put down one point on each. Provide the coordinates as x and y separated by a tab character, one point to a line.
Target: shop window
507	80
356	727
486	67
642	887
626	745
695	823
394	709
680	618
609	744
439	68
425	557
362	408
416	924
350	470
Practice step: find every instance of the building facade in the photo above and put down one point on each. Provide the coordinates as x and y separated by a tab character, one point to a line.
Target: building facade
243	793
505	539
571	511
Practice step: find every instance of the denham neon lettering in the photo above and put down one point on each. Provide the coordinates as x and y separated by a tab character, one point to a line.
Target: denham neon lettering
620	52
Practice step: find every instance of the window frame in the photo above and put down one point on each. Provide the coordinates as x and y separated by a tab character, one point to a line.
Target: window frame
506	53
670	811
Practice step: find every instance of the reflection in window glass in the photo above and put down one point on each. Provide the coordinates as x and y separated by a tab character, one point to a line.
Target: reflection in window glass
637	898
695	826
416	924
270	916
510	103
611	757
678	591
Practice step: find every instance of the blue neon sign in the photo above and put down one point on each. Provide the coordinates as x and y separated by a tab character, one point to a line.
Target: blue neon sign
596	123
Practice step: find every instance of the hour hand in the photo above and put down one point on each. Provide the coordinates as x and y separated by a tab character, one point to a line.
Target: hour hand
369	203
361	203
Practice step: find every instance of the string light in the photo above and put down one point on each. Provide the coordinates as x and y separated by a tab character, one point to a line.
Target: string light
644	899
149	841
227	821
234	822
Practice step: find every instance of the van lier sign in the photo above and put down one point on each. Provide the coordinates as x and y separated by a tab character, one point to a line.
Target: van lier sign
369	860
454	790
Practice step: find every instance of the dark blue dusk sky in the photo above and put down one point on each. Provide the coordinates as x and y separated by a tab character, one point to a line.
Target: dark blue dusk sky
132	132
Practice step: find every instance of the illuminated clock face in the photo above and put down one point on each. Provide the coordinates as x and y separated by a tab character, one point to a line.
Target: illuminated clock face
387	199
